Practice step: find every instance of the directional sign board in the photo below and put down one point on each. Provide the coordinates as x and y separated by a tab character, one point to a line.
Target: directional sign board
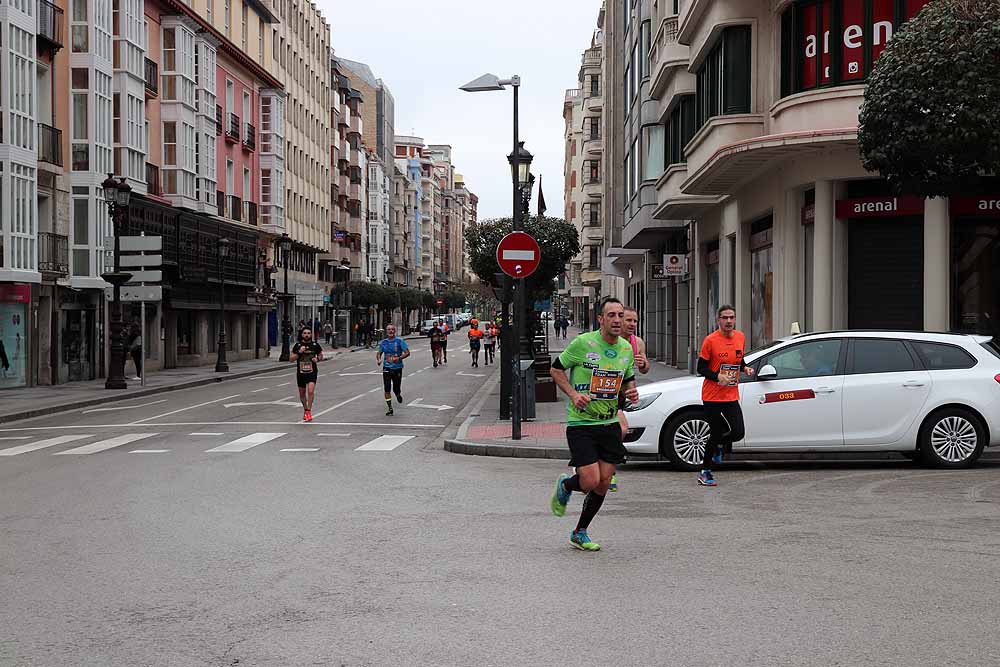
518	254
136	293
140	243
145	261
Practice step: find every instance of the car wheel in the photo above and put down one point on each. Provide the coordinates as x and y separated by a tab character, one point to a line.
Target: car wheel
952	438
683	440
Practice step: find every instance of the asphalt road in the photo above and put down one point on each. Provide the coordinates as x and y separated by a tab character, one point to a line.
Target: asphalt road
402	554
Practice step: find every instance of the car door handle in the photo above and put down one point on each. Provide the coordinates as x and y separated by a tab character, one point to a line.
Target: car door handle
913	383
825	390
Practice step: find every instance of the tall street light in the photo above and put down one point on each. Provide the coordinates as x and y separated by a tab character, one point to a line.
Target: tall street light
285	244
221	365
491	83
117	195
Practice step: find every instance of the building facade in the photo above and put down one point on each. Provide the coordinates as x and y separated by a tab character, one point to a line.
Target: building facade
735	150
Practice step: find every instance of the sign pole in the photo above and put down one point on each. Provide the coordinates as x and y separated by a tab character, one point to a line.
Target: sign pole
142	349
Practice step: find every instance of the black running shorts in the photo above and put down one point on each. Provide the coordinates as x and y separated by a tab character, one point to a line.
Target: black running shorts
590	444
391	378
304	379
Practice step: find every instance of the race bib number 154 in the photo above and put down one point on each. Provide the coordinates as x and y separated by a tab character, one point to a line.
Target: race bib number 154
605	384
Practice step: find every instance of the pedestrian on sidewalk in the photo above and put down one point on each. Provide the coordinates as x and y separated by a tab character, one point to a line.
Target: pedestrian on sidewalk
390	355
489	342
596	371
475	340
721	363
305	355
328	332
135	348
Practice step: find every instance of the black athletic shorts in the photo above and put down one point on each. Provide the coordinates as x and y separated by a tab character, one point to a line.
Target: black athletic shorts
590	444
391	377
305	378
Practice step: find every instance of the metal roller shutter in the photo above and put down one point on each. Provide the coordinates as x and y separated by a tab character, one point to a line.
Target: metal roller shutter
885	274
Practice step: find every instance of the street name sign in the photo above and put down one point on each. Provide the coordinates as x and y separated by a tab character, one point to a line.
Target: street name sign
135	293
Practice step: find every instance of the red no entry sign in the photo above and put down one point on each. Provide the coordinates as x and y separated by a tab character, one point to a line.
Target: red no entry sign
518	254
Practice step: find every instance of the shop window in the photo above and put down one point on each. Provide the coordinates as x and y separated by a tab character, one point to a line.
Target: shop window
724	76
831	42
761	283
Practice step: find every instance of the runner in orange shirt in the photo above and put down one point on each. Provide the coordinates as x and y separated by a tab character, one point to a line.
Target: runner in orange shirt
475	342
721	363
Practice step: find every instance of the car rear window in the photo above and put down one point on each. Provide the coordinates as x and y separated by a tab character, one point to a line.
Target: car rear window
876	355
993	347
943	357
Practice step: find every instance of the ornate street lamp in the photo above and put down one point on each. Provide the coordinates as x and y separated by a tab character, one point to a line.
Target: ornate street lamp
221	365
117	195
285	245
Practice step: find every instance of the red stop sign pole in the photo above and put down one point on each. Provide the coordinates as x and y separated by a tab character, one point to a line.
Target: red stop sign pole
518	254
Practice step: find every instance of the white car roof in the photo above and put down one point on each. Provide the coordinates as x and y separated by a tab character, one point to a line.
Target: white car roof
937	336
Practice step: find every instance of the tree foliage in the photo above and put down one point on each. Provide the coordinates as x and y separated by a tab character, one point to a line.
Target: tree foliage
558	239
929	122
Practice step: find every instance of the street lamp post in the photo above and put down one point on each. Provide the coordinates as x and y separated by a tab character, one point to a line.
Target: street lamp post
221	365
420	306
519	171
117	195
285	244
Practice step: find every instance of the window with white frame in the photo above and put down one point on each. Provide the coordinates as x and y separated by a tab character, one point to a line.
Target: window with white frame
21	81
22	208
80	27
178	65
81	233
103	39
103	140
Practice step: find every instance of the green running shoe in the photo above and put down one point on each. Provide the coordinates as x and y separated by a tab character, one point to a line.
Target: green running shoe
580	540
560	497
613	486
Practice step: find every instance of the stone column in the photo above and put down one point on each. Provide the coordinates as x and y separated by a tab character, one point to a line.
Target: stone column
937	262
788	261
822	289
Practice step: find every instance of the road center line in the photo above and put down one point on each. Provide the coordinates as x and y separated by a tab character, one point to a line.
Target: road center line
301	449
149	451
123	407
16	437
191	407
255	391
334	435
284	384
334	407
206	433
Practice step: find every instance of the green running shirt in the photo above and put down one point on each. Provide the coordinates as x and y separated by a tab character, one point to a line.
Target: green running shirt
597	370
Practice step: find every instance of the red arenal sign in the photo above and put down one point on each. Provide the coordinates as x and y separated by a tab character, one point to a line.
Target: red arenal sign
518	254
880	207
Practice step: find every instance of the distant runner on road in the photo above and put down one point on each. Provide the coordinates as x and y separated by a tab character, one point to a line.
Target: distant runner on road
489	342
390	355
596	372
475	340
305	354
437	338
720	363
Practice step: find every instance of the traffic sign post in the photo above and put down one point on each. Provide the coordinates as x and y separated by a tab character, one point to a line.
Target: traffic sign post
518	254
137	290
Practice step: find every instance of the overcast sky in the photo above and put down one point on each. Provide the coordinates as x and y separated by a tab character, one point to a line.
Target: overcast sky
425	50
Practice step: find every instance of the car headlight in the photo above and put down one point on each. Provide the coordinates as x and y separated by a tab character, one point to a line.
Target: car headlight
644	402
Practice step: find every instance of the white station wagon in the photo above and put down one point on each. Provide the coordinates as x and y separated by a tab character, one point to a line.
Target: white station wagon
936	396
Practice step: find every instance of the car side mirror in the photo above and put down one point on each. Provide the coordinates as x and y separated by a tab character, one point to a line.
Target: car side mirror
767	372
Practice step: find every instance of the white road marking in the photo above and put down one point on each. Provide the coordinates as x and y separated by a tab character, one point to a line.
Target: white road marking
288	402
334	407
149	451
110	443
225	423
259	390
334	435
41	444
365	373
470	375
372	391
123	407
384	443
206	433
285	384
190	407
419	404
246	442
301	449
16	437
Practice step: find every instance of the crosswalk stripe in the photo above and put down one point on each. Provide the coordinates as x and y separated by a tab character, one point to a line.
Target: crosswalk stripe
384	443
110	443
41	444
246	442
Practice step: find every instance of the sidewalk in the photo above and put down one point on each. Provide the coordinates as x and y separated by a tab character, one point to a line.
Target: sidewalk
484	434
27	402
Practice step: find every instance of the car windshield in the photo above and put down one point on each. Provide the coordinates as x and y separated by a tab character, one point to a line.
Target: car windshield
993	347
753	355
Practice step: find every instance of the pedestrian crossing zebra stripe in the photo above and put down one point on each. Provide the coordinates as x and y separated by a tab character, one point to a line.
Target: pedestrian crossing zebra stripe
246	442
41	444
110	443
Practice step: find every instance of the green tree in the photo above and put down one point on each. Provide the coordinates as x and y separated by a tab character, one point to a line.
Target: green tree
929	119
558	239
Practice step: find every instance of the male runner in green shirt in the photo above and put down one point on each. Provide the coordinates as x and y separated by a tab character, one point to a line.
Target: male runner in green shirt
597	373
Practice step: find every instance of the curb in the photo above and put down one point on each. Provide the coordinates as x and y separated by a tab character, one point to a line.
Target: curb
141	393
507	451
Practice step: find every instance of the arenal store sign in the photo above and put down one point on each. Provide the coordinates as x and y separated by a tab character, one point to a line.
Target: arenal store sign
976	206
880	207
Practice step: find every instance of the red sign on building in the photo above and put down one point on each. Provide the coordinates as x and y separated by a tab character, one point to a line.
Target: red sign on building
976	206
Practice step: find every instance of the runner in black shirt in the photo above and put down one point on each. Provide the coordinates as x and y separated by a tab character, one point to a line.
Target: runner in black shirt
305	354
437	339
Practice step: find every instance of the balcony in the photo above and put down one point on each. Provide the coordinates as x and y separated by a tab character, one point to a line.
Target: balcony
152	78
592	145
711	169
666	56
235	208
153	180
592	187
249	137
53	253
50	25
233	130
220	203
218	120
49	145
250	213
